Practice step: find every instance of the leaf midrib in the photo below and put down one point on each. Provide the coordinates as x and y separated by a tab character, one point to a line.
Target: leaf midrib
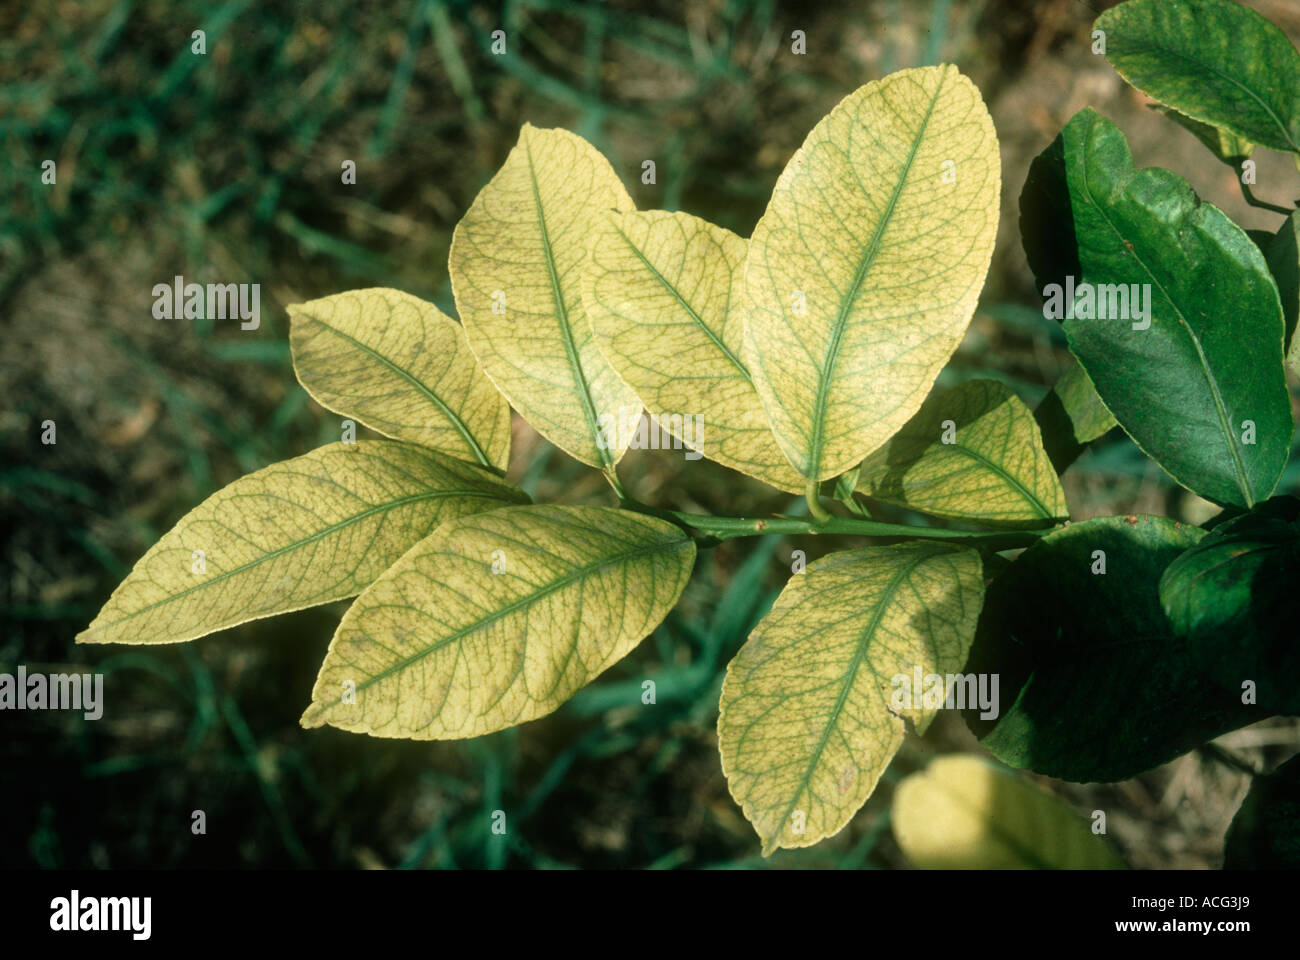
851	295
562	315
717	341
461	427
290	547
1000	471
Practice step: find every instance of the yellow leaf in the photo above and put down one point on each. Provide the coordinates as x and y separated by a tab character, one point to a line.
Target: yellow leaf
813	705
497	619
516	271
402	367
664	293
306	531
865	269
963	813
972	453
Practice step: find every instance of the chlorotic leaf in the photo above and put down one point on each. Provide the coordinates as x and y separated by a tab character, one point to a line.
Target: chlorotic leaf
516	267
1224	144
1094	684
1232	597
497	619
664	292
864	271
306	531
972	453
963	813
813	705
1265	833
1213	60
402	367
1169	307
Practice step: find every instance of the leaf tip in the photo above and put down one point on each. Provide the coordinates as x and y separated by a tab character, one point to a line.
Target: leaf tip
311	717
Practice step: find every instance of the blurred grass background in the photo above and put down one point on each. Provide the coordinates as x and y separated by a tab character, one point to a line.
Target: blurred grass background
226	168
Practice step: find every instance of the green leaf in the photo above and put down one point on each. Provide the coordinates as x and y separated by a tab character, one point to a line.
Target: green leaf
1088	415
497	619
660	288
963	813
1282	253
1202	389
1094	684
1071	416
1265	833
1212	60
402	367
971	453
307	531
1233	597
516	267
811	715
864	271
1224	144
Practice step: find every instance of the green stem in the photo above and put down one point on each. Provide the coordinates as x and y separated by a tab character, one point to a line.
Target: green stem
1254	201
728	528
813	495
716	529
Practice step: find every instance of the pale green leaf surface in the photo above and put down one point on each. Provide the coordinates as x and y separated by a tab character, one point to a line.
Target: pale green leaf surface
516	267
963	813
664	293
995	470
402	367
885	259
808	721
306	531
443	647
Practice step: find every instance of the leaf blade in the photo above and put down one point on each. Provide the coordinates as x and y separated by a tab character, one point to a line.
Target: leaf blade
402	367
785	742
1099	686
1217	62
1282	254
963	813
994	469
840	377
521	247
1232	599
1204	365
660	288
261	535
442	606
